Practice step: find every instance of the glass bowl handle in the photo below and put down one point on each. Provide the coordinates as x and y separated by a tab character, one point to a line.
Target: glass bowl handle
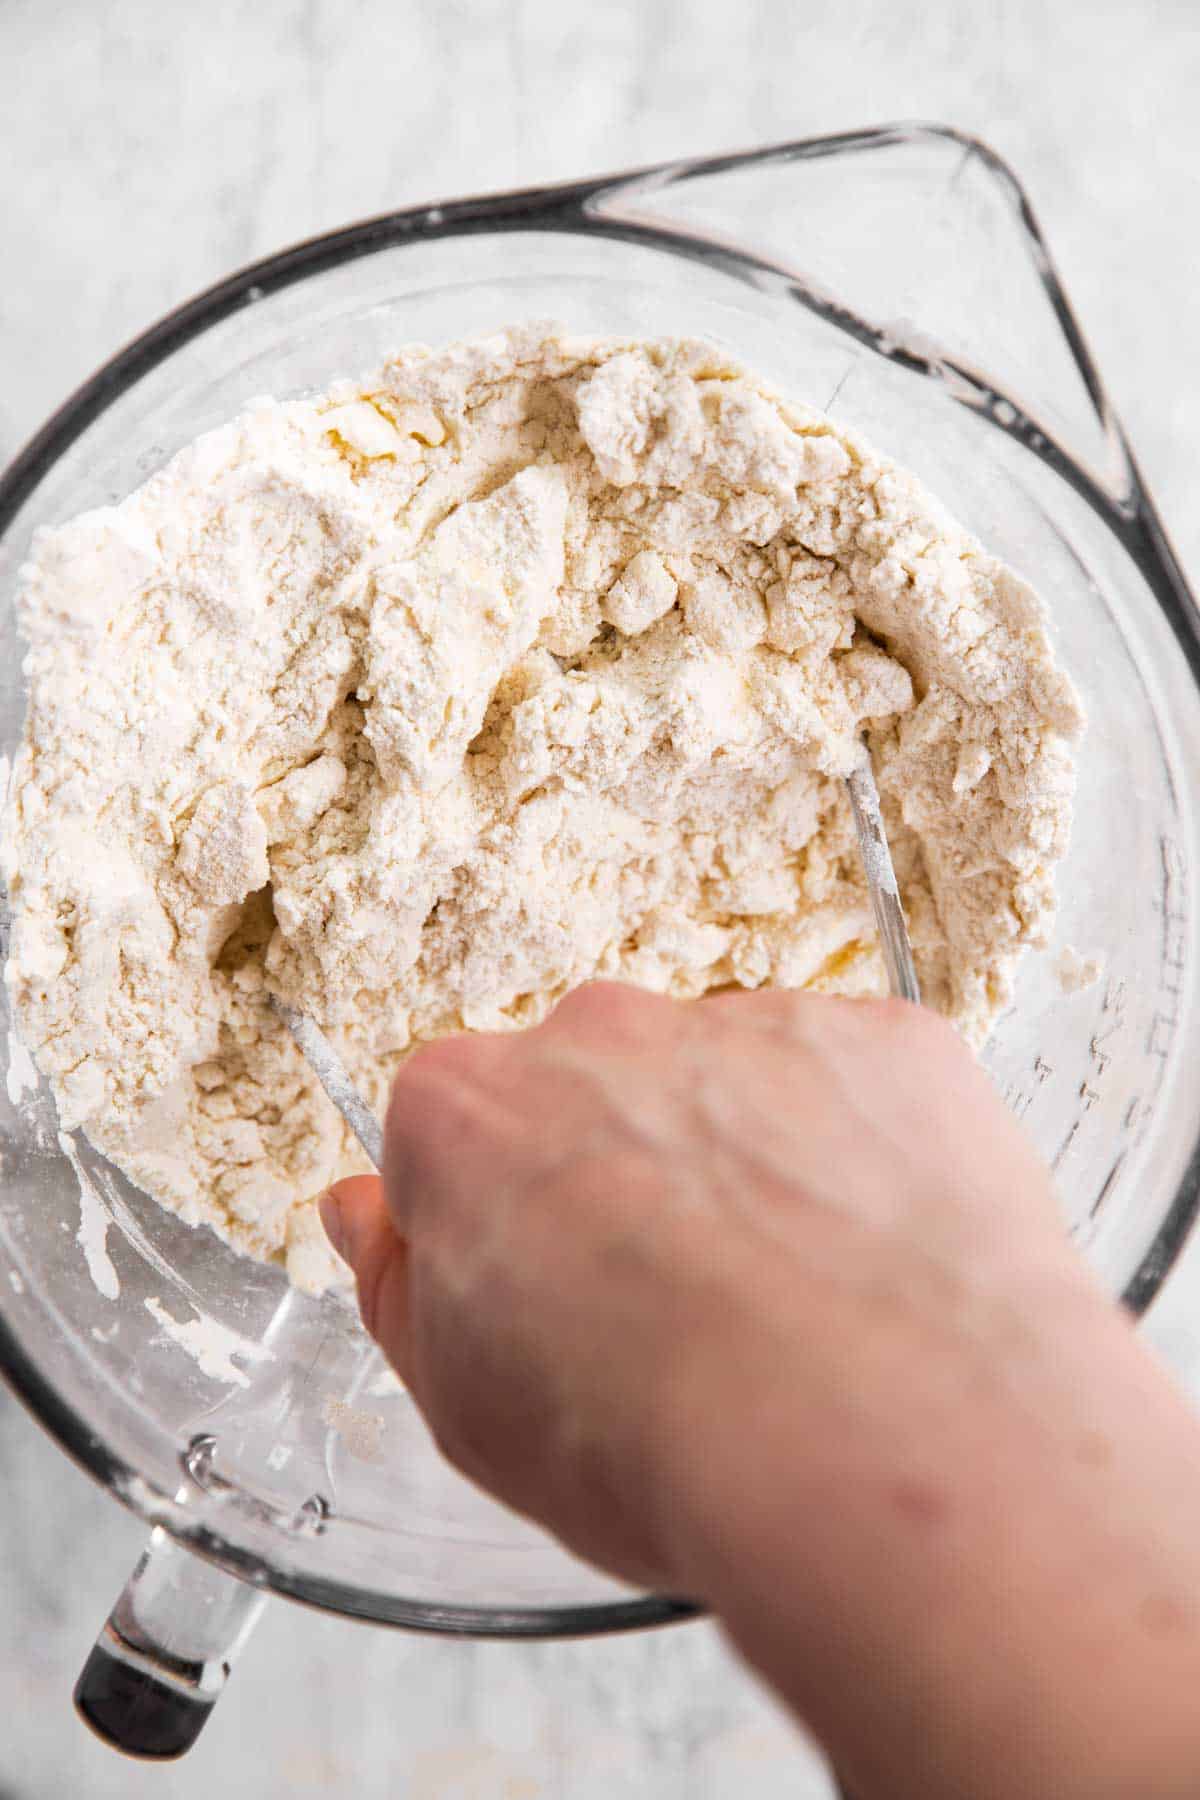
164	1655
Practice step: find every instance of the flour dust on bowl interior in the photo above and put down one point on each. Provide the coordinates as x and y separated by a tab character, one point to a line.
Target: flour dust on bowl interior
253	1422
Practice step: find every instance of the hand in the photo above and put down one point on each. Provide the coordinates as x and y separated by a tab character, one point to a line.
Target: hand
765	1299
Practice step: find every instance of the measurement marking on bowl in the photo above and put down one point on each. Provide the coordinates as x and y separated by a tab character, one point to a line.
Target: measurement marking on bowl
1064	1148
1109	1183
1172	903
1113	1002
1174	890
1017	1099
1162	1033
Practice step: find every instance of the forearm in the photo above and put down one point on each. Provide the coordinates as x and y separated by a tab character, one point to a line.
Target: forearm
930	1558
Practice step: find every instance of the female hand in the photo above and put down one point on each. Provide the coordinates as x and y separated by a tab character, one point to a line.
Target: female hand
764	1299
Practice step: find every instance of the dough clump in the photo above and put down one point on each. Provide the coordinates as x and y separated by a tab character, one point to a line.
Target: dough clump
523	662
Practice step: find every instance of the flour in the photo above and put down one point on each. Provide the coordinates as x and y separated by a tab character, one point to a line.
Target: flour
211	1345
523	662
94	1221
21	1077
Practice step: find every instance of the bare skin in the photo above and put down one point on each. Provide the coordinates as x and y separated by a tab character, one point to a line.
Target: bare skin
765	1300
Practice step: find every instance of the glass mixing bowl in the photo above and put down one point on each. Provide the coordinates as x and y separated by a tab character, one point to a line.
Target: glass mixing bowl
896	278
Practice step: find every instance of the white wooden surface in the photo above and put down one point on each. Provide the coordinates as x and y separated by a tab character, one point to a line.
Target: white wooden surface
147	146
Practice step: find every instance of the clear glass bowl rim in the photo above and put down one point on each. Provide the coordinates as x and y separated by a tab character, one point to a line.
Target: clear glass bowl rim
578	207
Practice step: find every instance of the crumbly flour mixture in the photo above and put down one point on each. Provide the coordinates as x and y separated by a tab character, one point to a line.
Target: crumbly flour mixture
525	661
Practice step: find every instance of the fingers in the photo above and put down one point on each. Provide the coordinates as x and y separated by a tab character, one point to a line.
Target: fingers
473	1117
457	1122
356	1219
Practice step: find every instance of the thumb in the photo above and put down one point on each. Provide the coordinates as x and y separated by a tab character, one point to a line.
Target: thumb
359	1226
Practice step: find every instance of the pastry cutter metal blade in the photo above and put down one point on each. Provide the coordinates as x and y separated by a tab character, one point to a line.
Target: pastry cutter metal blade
331	1072
881	880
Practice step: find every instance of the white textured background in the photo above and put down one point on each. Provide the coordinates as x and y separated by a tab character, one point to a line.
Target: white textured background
148	146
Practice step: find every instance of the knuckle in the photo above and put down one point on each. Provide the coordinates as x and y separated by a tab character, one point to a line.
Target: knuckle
901	1021
607	1005
889	1013
789	1013
457	1055
777	1000
594	1000
428	1082
731	998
